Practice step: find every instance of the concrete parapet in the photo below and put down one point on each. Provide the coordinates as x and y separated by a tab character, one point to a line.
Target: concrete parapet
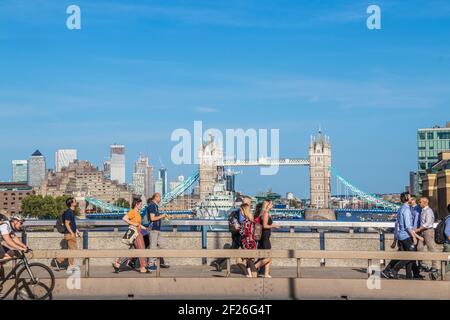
242	288
217	240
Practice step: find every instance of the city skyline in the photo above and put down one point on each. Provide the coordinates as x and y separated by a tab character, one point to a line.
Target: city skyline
139	70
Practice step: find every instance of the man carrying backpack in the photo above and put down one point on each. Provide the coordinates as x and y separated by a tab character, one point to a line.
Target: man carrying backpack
443	237
70	231
235	219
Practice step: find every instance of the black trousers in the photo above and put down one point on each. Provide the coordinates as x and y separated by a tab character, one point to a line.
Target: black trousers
236	243
411	265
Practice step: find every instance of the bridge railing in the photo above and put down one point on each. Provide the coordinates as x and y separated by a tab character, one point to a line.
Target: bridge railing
320	226
292	224
299	255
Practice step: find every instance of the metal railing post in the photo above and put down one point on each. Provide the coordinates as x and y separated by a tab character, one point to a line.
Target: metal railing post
369	263
322	246
85	240
299	264
24	237
382	246
158	267
86	247
204	243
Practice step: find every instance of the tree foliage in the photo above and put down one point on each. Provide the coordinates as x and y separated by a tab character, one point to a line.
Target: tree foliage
47	207
122	203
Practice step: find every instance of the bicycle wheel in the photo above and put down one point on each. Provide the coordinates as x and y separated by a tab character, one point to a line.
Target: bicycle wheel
22	293
37	284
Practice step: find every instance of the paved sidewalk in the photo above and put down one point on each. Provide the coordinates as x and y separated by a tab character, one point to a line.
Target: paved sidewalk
209	271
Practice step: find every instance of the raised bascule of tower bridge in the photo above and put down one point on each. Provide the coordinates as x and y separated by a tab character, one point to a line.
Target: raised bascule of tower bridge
211	163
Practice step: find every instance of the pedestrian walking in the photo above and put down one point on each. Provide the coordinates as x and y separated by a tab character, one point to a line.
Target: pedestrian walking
267	224
71	233
235	219
157	240
446	239
134	220
407	241
426	231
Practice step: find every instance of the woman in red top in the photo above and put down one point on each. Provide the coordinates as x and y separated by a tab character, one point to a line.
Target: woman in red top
248	240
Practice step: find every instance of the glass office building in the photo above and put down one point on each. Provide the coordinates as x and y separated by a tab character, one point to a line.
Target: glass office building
20	171
431	141
162	176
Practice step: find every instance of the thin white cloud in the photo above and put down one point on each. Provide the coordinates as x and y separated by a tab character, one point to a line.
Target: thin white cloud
206	109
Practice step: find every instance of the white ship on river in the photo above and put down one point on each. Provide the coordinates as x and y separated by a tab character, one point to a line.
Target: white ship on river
216	205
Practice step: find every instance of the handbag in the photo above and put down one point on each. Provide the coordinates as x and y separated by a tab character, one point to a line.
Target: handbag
130	236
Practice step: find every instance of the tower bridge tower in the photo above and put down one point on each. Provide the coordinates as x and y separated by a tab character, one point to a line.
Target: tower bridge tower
319	168
210	158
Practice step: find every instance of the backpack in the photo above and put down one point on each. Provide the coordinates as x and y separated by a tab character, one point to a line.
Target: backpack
439	232
233	221
145	217
60	226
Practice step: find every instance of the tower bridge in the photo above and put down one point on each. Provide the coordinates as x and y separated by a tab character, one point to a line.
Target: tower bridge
212	161
212	164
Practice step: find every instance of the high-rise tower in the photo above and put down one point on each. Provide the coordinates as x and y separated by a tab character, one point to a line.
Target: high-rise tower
36	169
20	171
319	166
143	177
64	157
118	163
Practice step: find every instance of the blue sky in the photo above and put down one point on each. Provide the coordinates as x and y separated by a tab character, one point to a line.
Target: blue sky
137	70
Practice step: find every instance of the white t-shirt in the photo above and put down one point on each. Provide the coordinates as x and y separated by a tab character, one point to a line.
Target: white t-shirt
5	228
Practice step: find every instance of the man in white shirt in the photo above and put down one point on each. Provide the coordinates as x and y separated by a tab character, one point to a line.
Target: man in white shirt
426	230
9	242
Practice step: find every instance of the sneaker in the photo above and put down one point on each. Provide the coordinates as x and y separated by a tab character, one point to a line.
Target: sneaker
386	273
116	269
56	265
433	276
433	270
151	268
394	274
418	277
424	269
164	266
217	266
73	269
